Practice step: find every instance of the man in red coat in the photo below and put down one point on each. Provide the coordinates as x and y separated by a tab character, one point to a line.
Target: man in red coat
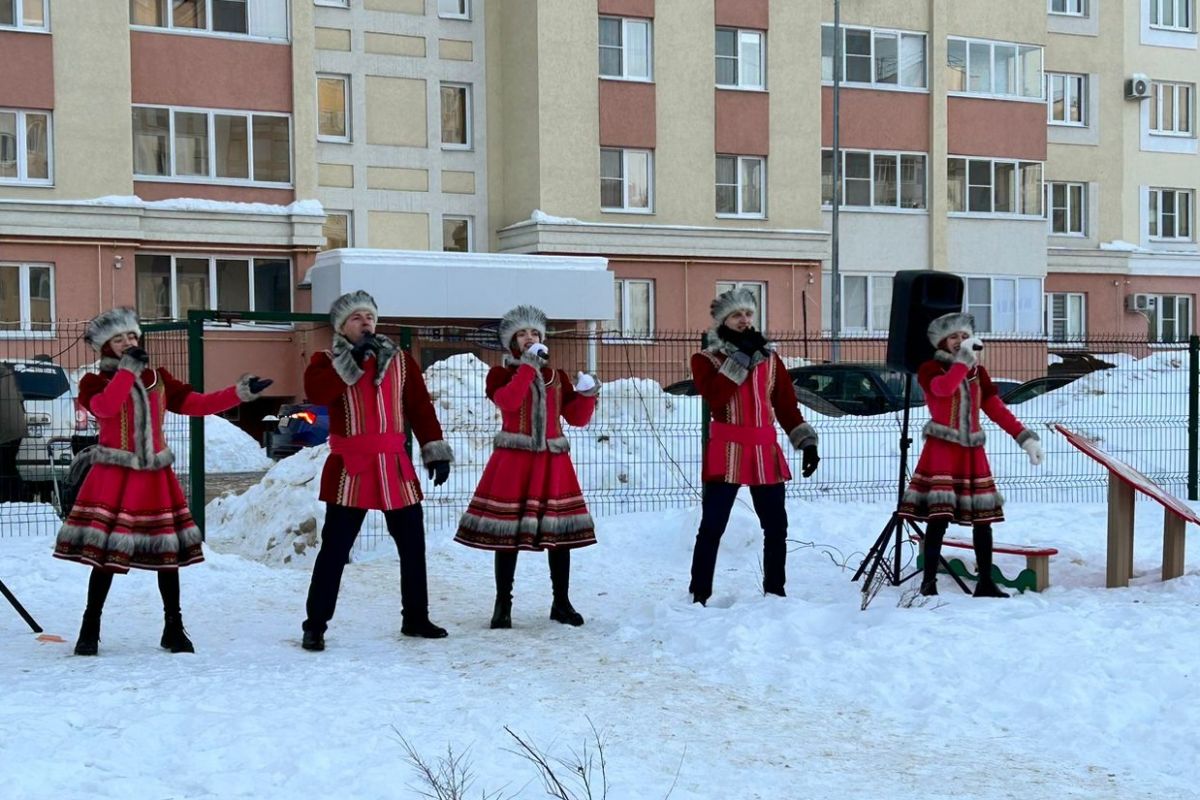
747	390
372	389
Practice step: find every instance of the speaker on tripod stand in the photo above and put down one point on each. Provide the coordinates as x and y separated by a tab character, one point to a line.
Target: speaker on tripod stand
918	298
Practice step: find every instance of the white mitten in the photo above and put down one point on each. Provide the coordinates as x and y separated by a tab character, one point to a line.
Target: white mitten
968	352
584	383
1034	448
536	354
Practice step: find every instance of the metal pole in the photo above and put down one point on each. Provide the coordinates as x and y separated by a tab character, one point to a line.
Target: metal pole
1193	417
195	348
835	276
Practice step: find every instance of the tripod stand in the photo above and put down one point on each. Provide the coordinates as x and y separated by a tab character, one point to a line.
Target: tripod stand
20	608
892	535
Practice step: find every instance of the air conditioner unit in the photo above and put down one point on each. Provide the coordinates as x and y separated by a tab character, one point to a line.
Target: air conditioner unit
1137	87
1141	302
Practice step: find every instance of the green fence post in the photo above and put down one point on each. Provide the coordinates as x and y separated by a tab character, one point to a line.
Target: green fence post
195	334
1193	417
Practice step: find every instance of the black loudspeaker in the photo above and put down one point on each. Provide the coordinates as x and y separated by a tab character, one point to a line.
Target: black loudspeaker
919	296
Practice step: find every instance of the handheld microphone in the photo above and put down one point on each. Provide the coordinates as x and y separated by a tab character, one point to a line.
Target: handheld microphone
977	347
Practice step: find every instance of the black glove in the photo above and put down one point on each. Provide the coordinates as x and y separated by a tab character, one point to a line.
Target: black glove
360	349
439	471
257	384
138	353
809	460
752	341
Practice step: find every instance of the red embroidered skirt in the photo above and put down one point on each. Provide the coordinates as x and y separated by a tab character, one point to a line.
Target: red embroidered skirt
952	482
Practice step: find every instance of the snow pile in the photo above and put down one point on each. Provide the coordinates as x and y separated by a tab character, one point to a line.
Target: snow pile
299	207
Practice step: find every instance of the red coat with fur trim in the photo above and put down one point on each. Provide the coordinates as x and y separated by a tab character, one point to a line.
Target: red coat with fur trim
955	395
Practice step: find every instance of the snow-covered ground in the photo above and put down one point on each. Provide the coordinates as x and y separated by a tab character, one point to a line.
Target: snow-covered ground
1080	691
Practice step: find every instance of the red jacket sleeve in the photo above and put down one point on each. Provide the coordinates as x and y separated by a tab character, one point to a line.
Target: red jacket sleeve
322	384
105	399
938	383
183	399
577	409
418	406
994	407
508	389
714	385
787	408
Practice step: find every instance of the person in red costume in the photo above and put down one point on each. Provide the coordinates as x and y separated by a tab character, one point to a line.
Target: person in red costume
372	389
953	481
130	511
528	497
747	389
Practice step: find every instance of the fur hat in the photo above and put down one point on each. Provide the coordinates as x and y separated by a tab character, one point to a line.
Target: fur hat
347	304
947	324
726	303
122	319
517	318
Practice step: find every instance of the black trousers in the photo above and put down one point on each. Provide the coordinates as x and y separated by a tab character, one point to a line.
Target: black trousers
718	500
342	524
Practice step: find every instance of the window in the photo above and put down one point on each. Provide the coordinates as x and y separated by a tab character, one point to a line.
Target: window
454	9
267	19
756	288
1170	318
633	307
24	15
1174	14
334	3
626	180
456	234
170	286
1171	108
880	57
26	298
994	186
456	116
741	59
741	186
866	302
1068	208
1065	99
333	119
1000	69
211	146
1065	318
625	49
1005	305
25	151
876	180
1170	214
1074	8
337	230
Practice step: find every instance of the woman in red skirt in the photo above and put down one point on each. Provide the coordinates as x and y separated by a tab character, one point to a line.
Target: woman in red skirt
529	497
130	511
953	481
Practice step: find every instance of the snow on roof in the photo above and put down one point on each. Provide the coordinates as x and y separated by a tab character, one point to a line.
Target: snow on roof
300	207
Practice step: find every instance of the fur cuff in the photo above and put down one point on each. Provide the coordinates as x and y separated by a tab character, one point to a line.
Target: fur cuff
734	371
1025	435
802	436
132	364
343	360
243	389
436	451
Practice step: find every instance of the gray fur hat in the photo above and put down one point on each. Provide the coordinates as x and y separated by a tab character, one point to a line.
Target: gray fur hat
947	324
121	319
518	318
347	304
726	303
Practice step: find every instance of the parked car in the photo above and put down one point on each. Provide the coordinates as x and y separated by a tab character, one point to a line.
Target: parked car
839	389
50	420
1036	388
300	425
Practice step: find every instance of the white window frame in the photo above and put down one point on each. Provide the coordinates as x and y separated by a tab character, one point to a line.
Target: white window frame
333	3
1181	113
1074	88
1186	7
760	319
171	177
25	329
762	194
207	30
1070	189
349	215
19	23
22	146
463	13
1070	8
1018	192
470	231
622	285
626	207
875	83
1155	320
1020	52
896	155
347	105
742	36
985	323
212	260
874	283
469	121
1155	214
626	23
1074	316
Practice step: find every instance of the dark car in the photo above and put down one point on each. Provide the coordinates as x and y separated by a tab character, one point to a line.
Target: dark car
1036	388
839	389
300	425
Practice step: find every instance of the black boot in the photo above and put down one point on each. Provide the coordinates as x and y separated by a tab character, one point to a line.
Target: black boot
313	640
986	585
89	635
506	568
934	533
424	629
174	637
561	609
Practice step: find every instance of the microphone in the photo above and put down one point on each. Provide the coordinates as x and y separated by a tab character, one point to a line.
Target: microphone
977	347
